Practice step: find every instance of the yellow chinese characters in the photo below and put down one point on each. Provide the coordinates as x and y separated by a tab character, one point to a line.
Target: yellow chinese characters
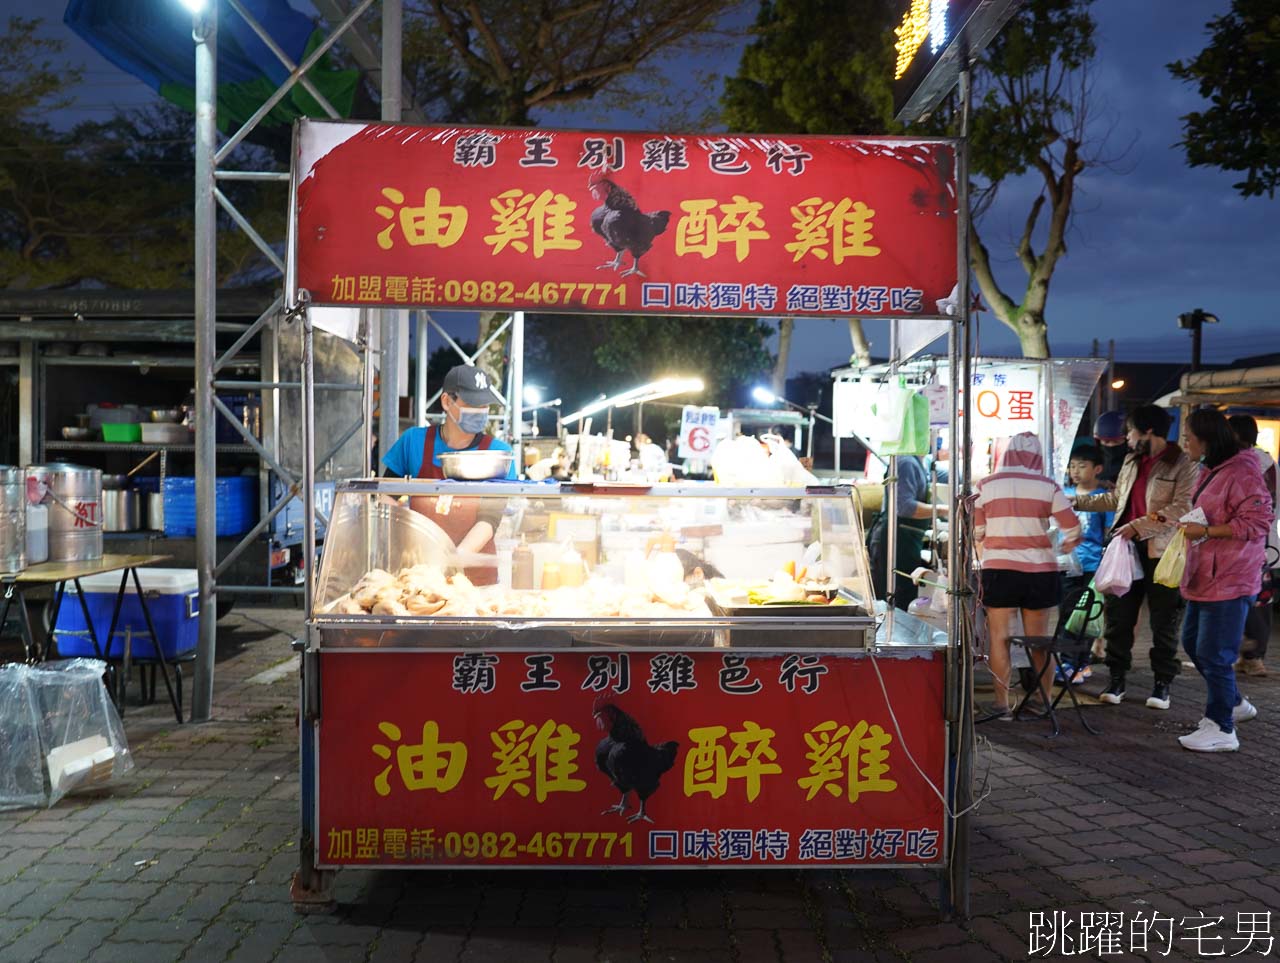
701	231
709	764
544	219
545	754
845	760
844	226
432	223
431	764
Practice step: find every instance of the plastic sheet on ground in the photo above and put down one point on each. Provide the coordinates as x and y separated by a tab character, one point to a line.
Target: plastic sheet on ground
59	732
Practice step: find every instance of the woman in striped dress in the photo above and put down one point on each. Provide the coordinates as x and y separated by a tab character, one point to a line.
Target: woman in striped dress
1011	516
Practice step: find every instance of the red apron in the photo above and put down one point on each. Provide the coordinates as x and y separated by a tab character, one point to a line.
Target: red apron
462	514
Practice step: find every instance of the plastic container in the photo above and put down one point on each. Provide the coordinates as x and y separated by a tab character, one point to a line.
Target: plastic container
172	598
235	500
118	433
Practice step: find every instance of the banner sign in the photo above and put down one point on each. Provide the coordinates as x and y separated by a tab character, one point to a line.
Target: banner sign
698	431
628	759
554	221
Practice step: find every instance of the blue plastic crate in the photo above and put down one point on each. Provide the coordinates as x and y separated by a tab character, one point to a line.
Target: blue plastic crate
236	500
172	599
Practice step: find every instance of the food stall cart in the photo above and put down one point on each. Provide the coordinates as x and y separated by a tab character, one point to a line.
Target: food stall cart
690	676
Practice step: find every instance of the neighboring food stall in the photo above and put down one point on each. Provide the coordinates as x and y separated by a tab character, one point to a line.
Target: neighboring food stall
631	676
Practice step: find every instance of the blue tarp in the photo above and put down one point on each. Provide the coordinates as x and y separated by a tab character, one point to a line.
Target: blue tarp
151	39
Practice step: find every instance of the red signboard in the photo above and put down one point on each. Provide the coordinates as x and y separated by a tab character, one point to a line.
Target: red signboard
522	759
556	221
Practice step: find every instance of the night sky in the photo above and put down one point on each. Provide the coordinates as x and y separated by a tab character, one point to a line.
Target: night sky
1151	237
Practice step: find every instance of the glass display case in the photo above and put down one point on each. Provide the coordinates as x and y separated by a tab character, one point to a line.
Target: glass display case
426	564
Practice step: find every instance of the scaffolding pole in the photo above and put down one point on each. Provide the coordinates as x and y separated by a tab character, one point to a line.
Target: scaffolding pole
205	34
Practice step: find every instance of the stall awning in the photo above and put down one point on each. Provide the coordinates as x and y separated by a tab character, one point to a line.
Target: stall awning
151	39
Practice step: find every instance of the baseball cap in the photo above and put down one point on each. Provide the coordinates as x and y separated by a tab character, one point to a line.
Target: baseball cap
470	385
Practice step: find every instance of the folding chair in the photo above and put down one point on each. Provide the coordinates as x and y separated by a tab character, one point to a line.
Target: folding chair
1061	648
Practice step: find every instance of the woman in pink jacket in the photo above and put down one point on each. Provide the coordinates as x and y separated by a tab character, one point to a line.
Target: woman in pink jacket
1222	576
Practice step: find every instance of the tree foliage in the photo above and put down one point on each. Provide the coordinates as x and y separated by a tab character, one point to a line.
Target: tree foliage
1239	74
498	61
814	67
1031	104
1031	116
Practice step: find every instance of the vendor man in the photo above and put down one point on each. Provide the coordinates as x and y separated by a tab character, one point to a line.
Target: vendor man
466	399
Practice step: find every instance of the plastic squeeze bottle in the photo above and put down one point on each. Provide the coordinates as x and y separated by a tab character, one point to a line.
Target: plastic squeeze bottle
522	566
663	566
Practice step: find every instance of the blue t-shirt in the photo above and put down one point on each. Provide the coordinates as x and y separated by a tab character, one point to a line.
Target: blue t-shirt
405	456
1093	532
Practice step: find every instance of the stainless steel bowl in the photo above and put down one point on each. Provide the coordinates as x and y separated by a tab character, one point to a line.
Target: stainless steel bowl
476	465
72	433
165	415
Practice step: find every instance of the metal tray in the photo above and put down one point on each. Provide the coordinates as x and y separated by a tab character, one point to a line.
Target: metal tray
851	609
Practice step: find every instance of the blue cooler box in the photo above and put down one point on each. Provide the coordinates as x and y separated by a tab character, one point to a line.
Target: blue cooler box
172	599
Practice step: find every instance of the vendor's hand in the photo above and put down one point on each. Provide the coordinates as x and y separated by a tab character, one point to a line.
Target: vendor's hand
1194	531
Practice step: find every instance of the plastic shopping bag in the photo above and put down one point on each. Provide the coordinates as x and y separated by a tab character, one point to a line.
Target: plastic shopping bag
1116	571
1172	562
913	438
1085	619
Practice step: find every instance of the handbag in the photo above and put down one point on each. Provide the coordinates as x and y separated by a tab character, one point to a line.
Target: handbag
1085	618
1172	563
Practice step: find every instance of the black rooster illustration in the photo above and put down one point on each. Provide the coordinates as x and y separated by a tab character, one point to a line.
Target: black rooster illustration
631	764
623	225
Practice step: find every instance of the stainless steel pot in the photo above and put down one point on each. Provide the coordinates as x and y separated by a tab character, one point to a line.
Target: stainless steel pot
121	510
13	519
75	511
155	511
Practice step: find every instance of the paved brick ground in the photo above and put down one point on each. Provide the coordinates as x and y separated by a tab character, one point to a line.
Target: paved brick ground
190	859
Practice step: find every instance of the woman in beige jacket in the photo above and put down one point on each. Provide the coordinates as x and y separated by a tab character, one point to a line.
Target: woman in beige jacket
1153	491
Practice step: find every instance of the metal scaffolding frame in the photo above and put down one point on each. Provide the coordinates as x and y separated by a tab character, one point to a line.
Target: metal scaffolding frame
212	166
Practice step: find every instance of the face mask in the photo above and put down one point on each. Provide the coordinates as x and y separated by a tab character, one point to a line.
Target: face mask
472	420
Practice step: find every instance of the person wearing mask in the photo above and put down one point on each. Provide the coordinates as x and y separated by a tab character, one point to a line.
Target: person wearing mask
1222	574
1109	433
466	400
1011	516
1257	624
916	506
1152	492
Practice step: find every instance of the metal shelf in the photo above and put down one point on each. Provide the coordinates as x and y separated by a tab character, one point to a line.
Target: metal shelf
136	446
138	361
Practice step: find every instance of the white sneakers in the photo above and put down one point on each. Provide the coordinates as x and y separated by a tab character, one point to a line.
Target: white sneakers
1245	711
1209	737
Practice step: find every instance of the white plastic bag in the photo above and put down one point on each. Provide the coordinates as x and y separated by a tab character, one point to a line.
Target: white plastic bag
58	732
1119	569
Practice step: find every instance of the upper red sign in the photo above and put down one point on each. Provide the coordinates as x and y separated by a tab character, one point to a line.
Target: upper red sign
625	223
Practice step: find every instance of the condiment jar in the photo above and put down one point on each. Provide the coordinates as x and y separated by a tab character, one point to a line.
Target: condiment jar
550	576
572	572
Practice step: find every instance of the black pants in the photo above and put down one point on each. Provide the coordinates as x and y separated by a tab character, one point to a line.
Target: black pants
1257	626
1165	610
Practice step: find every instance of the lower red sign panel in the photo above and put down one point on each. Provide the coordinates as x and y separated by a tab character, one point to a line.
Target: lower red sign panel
629	758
